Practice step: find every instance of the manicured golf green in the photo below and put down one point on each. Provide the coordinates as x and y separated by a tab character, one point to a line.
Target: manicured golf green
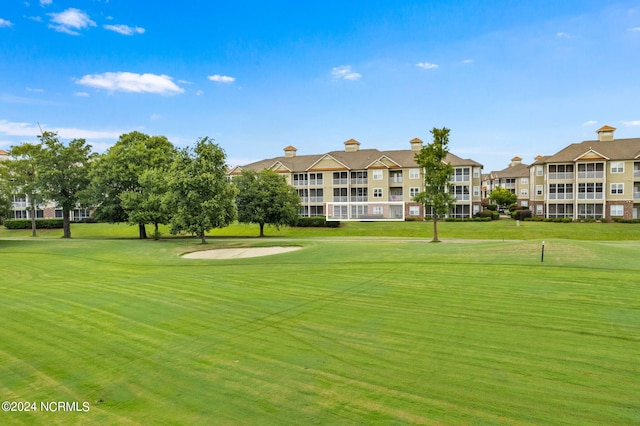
340	332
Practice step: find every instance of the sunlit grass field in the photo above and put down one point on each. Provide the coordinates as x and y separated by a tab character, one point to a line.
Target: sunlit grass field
343	331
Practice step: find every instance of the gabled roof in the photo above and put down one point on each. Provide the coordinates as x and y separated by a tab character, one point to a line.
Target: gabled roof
515	171
617	149
3	152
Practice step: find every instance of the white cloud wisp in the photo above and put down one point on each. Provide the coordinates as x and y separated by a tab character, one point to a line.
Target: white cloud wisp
132	82
344	72
124	29
221	78
70	21
427	65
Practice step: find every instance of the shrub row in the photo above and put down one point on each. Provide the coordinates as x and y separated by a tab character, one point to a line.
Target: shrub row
474	219
488	214
620	220
26	223
316	222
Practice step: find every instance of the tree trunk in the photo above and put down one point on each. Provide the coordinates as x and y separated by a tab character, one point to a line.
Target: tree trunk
202	237
156	228
66	223
33	219
262	229
435	229
142	230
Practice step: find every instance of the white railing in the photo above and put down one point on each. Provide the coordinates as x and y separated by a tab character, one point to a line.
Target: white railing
337	199
561	176
315	199
395	179
359	181
590	196
590	175
315	182
636	195
395	197
561	196
462	197
340	181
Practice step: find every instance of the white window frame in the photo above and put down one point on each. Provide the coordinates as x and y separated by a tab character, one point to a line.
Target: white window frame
539	170
617	167
378	193
616	189
539	189
524	181
617	210
538	209
476	172
524	192
414	210
476	191
414	173
413	191
377	174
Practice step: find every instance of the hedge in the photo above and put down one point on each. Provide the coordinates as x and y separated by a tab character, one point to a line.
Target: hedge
26	223
316	222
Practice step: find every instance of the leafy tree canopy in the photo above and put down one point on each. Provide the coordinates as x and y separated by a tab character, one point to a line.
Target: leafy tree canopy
502	196
266	198
23	169
200	197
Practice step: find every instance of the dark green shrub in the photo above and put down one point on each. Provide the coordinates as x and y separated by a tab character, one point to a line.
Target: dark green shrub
493	207
521	214
26	223
316	222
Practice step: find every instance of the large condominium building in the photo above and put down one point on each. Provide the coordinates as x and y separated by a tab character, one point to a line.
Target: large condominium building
591	179
368	184
515	178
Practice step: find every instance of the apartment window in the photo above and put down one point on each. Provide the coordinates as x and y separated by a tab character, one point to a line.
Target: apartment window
58	214
539	170
460	175
617	210
524	192
359	194
617	188
359	178
414	210
315	179
377	192
303	194
617	167
20	214
538	189
476	191
476	172
300	179
460	192
539	209
594	211
590	191
377	210
316	195
561	191
524	181
524	203
561	171
414	173
340	195
413	192
339	178
377	175
590	170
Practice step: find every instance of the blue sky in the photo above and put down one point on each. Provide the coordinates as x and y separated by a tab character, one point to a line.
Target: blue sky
507	77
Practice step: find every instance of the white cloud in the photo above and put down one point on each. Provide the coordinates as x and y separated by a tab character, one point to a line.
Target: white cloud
5	24
635	29
221	78
45	2
589	123
155	117
345	72
124	29
32	130
563	35
467	61
70	20
427	65
82	94
131	82
631	123
199	92
29	89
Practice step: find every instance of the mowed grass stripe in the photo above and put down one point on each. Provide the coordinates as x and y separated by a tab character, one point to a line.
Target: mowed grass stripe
339	333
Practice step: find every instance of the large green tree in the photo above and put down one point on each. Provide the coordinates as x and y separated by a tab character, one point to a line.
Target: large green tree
118	171
502	196
266	198
63	173
432	158
200	197
23	169
146	204
5	192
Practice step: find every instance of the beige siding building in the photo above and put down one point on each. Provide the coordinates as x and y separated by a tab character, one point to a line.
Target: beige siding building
591	179
368	184
515	178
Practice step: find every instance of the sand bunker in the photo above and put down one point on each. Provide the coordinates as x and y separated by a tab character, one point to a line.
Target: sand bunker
237	253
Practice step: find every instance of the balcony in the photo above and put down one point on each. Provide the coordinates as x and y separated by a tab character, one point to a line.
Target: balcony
591	175
340	181
590	196
636	195
395	197
395	179
359	199
304	199
315	182
316	199
359	181
636	173
19	204
337	199
561	176
462	197
300	183
561	196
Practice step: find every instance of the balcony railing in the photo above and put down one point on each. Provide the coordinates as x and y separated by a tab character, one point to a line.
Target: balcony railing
561	176
636	173
337	199
300	183
636	195
19	204
358	181
463	178
590	175
304	199
340	181
395	197
315	182
462	197
561	196
316	199
395	179
590	195
359	199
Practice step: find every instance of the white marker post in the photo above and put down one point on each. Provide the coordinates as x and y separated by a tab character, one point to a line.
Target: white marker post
542	258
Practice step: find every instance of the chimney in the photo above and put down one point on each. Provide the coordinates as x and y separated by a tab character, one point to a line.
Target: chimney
605	133
351	145
416	144
290	151
515	160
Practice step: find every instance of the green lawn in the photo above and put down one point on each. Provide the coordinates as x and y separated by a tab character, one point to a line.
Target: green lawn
341	332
